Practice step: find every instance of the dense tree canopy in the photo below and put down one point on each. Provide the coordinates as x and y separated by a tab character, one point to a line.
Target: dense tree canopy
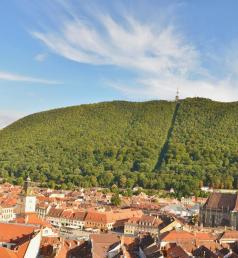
89	145
155	145
204	143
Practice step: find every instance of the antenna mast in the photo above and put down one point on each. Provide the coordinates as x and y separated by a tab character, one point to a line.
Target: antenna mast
177	95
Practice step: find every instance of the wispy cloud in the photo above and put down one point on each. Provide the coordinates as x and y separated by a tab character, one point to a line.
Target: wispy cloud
151	88
160	55
41	57
7	117
129	44
7	76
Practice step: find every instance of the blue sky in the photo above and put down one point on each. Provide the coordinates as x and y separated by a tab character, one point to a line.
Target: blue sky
57	53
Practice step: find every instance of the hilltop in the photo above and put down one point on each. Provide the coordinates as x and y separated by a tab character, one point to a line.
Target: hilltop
155	144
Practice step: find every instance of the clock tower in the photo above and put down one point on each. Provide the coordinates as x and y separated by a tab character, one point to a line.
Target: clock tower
28	199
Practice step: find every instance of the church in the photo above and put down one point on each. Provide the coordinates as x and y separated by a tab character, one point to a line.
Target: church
220	209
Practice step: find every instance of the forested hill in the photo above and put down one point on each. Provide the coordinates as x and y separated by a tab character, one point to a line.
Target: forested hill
156	144
88	144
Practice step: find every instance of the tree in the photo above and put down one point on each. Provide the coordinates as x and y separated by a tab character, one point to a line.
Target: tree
20	181
122	181
115	200
114	188
51	184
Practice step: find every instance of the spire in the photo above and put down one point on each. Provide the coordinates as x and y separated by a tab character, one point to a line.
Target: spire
177	95
27	189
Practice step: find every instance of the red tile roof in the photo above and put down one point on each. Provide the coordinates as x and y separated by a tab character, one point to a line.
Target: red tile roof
230	235
32	219
22	248
112	216
10	233
174	236
177	252
101	244
7	253
204	236
145	219
54	212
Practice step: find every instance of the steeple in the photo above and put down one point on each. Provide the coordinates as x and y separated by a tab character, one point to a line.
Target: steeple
177	95
27	189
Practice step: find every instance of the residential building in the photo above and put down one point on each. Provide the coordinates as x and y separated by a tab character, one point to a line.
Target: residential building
105	245
109	220
42	209
20	241
143	224
112	245
177	252
66	218
229	236
7	213
187	239
148	247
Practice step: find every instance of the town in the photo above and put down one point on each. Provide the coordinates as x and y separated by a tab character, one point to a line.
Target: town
118	129
41	222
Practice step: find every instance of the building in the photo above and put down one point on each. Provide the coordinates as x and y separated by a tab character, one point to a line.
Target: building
7	213
42	209
220	209
113	245
109	220
143	224
178	251
68	218
149	247
229	236
7	208
108	245
21	241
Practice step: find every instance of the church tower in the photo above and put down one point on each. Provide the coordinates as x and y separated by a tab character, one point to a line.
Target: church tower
28	198
177	95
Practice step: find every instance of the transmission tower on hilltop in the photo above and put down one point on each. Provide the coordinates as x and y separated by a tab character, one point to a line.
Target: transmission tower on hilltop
177	95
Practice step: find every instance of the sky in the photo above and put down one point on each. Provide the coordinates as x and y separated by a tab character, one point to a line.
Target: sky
57	53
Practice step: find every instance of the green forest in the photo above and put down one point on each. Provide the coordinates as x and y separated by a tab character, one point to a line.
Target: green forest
156	145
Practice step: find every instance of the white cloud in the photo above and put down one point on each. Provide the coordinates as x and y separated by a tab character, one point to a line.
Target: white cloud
7	76
7	117
224	90
128	44
41	57
160	55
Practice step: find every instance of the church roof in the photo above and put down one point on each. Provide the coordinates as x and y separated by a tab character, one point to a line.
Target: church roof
223	201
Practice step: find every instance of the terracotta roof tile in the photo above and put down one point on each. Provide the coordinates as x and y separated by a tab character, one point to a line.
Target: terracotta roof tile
12	232
176	236
177	252
7	253
32	219
203	251
230	235
101	243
